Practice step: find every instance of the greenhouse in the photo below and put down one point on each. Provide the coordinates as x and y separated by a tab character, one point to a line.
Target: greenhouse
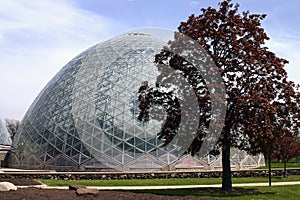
85	119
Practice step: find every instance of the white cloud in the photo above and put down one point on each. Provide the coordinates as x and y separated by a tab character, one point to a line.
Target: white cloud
287	47
36	39
50	18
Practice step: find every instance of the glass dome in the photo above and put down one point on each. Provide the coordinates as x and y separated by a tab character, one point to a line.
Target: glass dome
86	116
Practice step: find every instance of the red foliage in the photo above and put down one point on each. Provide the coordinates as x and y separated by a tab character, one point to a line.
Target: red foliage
287	148
262	105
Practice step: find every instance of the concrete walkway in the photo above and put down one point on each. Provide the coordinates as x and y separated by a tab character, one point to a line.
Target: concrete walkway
167	187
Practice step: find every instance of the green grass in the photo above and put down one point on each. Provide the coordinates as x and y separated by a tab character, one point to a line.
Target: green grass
155	182
275	193
280	165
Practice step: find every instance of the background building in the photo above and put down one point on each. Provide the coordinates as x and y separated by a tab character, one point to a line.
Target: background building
5	138
85	117
5	142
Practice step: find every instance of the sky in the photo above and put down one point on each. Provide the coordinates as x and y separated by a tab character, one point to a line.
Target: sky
38	37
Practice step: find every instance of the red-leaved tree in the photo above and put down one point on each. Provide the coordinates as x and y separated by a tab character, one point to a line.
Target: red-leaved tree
286	149
261	102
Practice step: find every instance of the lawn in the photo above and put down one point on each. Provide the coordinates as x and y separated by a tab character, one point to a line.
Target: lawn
293	163
155	182
280	165
271	193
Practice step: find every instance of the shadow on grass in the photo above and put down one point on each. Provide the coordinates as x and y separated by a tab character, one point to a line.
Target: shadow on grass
206	192
234	192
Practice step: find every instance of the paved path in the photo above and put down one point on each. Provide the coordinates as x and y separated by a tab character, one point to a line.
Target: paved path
167	186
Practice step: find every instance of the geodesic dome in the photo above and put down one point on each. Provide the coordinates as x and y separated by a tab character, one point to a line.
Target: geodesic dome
4	134
86	116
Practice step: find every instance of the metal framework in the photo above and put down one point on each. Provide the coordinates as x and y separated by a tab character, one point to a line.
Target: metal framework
86	116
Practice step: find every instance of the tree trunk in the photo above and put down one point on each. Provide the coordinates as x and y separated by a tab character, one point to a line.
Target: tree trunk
270	173
226	144
284	167
226	175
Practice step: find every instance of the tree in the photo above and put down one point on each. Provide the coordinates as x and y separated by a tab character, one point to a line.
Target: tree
254	77
287	148
267	121
12	126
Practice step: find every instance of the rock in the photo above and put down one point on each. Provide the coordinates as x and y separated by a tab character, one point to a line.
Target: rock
87	191
124	176
75	187
7	186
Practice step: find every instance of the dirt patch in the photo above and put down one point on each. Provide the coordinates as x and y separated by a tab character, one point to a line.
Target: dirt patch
53	194
20	181
59	194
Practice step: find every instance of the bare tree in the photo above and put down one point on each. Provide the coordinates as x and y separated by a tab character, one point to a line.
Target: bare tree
12	126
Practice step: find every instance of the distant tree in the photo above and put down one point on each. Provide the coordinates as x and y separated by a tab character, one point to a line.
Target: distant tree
12	126
268	121
254	78
287	126
287	148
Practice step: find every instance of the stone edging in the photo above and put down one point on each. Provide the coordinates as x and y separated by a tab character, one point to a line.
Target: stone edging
141	175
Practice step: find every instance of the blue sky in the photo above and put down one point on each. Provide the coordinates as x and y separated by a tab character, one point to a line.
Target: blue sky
38	37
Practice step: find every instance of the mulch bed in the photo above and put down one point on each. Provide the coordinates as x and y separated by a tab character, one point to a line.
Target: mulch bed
58	194
43	194
20	181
